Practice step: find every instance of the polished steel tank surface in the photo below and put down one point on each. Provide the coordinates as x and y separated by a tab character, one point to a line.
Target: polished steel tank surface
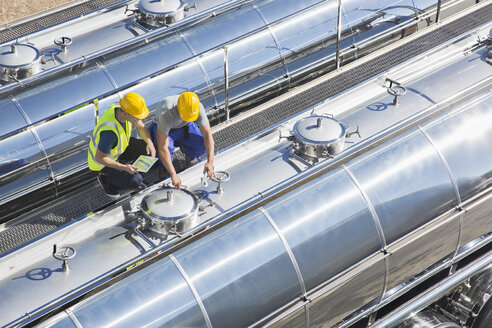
284	239
90	62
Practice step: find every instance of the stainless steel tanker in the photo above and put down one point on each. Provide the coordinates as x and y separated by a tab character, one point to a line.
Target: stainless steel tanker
57	81
378	197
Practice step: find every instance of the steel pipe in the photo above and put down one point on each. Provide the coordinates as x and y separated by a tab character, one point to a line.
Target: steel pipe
433	294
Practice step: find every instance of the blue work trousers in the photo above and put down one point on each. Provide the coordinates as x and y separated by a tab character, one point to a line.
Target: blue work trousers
190	142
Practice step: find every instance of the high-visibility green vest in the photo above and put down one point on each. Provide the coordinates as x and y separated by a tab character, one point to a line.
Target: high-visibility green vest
108	122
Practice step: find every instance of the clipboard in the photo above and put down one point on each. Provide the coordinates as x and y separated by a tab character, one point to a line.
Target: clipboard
144	163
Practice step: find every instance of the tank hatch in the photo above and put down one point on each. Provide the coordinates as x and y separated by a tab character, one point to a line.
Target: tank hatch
157	13
318	137
18	61
170	211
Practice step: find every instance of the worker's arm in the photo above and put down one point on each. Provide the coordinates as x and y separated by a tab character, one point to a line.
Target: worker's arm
105	160
165	157
145	135
208	142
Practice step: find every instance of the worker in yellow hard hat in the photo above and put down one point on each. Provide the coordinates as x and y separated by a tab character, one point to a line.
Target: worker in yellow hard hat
112	150
181	121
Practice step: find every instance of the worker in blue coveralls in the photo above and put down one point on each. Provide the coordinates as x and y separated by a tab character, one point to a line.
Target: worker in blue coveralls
181	121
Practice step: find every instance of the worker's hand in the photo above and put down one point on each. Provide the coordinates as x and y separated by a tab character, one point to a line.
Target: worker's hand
176	180
209	169
130	169
151	149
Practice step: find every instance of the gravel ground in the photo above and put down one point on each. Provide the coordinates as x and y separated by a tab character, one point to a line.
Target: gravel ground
11	10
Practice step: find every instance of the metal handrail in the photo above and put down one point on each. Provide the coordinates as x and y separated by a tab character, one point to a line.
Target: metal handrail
339	33
226	82
438	12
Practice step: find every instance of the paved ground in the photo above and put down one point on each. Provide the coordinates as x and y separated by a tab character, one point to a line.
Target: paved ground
11	10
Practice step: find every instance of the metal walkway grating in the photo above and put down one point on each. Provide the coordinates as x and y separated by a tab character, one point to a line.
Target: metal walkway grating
17	31
76	206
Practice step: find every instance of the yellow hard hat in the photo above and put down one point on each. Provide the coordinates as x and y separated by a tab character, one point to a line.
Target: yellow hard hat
188	106
134	104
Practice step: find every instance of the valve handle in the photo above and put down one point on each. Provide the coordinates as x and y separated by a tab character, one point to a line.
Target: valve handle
64	253
397	90
221	176
63	41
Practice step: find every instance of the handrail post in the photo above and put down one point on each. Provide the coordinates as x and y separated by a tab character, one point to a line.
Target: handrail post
438	13
339	32
226	82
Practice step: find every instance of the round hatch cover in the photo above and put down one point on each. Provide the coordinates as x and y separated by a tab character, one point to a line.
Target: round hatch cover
18	55
318	130
169	204
159	7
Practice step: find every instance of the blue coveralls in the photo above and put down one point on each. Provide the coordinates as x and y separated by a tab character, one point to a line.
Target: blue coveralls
191	145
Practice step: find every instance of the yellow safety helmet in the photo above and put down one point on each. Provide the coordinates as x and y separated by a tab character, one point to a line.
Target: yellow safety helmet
188	106
134	104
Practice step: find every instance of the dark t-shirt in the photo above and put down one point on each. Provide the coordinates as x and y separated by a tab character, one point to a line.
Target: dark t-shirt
108	140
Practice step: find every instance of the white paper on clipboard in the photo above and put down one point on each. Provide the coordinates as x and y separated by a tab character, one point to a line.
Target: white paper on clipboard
144	163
